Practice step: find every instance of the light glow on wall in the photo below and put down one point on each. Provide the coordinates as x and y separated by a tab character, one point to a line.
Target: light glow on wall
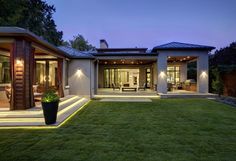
79	73
19	62
162	74
203	74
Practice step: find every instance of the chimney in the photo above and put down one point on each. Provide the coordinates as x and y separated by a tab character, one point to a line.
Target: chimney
103	44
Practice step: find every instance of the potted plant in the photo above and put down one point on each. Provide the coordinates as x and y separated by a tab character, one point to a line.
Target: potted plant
50	101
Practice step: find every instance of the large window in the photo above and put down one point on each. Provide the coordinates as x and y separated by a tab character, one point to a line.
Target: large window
4	70
173	74
148	77
128	77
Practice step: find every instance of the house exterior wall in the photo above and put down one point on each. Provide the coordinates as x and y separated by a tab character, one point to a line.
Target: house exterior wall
81	77
142	72
202	68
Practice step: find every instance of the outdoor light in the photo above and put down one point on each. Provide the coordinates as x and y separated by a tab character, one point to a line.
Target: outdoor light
203	74
19	61
162	74
188	57
169	57
79	72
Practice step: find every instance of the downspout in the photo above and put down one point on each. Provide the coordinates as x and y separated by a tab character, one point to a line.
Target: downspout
90	80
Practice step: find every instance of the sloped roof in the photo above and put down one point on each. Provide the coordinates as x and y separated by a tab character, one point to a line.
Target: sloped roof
74	53
9	31
182	46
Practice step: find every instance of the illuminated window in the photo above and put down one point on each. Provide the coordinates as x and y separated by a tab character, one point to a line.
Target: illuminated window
4	70
173	74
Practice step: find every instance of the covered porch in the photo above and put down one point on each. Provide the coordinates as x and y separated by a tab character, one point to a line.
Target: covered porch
28	67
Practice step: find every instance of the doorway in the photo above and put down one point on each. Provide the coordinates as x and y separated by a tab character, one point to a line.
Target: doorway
46	74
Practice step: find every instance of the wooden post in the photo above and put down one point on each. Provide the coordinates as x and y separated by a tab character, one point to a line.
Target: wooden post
22	59
60	77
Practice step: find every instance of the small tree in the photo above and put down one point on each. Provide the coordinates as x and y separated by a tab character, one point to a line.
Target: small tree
79	43
217	83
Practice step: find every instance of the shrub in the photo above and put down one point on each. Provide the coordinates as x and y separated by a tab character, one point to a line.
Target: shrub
50	96
217	83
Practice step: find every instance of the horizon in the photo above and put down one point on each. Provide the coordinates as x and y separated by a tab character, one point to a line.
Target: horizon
149	24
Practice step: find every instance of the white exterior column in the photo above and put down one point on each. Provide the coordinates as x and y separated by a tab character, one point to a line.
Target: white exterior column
161	73
202	74
96	77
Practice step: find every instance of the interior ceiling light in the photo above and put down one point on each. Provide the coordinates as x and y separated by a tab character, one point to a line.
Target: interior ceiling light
188	57
169	57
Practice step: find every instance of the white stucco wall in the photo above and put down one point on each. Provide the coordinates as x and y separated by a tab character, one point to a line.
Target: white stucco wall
81	77
202	68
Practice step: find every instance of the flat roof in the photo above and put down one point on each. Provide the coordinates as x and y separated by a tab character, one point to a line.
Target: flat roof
121	49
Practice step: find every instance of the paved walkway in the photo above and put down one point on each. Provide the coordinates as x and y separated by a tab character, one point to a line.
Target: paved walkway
34	116
127	99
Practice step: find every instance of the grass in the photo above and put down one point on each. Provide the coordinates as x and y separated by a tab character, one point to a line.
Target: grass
169	129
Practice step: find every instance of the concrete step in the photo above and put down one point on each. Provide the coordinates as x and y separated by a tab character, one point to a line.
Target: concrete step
62	115
195	95
75	105
66	101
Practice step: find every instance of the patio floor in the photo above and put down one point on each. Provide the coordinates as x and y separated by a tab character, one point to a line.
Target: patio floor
148	93
109	92
34	116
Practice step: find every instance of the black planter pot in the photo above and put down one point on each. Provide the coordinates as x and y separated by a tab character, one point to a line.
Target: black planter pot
50	112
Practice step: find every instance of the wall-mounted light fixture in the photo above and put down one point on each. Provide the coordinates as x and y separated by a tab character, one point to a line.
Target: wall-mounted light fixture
19	61
79	72
162	74
203	74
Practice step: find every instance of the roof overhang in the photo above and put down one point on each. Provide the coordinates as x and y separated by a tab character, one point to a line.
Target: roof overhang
16	32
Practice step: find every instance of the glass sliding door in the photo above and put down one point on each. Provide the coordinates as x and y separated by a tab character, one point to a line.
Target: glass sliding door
128	77
173	74
5	77
46	74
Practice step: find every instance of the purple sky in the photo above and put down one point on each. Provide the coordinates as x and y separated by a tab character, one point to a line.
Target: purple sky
147	23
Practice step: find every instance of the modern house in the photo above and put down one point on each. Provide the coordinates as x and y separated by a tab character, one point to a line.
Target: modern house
29	65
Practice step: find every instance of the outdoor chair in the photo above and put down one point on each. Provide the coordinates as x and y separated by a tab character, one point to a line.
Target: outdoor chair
8	92
142	87
115	86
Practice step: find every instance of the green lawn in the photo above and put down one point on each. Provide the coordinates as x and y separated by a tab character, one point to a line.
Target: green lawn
168	129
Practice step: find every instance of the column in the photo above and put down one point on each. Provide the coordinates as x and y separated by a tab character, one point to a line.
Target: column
22	64
202	74
161	74
96	77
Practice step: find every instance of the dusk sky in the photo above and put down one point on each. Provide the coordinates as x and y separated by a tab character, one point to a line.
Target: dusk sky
147	23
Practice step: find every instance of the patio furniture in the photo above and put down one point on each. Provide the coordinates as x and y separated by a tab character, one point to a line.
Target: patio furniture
8	92
37	90
128	89
190	85
142	87
115	86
